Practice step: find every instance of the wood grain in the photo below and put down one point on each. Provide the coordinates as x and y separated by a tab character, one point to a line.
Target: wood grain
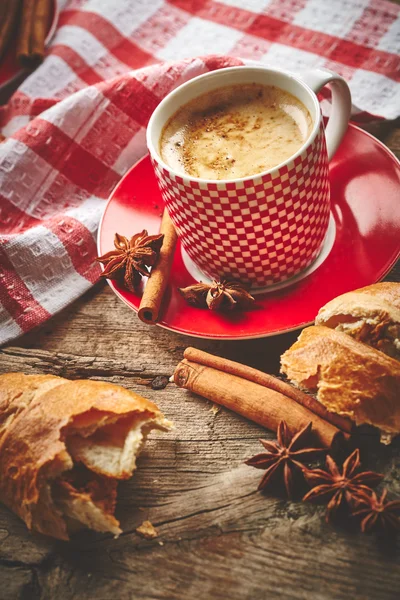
218	537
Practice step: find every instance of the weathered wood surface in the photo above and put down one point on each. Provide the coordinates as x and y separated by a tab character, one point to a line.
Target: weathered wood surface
218	537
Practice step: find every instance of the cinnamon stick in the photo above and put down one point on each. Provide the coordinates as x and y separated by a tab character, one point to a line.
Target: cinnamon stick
32	32
256	402
150	304
269	381
8	22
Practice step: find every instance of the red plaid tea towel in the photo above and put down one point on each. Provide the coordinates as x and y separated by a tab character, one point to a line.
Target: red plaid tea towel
77	124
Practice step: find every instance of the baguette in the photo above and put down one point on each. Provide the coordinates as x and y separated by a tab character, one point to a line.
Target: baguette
349	378
63	447
370	315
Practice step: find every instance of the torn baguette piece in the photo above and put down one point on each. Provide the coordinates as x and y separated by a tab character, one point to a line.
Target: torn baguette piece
348	377
370	315
63	447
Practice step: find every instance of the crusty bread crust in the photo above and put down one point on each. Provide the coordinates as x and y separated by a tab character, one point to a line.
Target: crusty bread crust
379	300
349	377
18	391
37	414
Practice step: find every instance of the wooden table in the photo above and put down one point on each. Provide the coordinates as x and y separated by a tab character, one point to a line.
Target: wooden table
218	537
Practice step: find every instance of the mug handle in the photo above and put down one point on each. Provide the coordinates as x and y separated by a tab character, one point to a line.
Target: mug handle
341	104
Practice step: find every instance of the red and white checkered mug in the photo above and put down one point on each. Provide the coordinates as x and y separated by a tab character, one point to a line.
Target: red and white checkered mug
269	227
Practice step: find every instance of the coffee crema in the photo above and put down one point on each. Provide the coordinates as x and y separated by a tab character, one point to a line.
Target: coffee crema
235	131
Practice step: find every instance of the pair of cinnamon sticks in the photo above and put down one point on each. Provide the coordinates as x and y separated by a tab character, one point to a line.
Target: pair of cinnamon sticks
260	397
29	20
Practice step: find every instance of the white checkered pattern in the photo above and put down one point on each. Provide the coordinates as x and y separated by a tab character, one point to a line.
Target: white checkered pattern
263	230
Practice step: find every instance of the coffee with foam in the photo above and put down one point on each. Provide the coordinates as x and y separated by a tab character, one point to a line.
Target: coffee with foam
235	131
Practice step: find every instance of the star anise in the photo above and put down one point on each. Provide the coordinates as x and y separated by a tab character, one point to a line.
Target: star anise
131	258
285	456
378	513
340	487
220	295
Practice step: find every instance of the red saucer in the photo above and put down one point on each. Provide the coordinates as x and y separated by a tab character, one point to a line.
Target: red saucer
365	190
9	67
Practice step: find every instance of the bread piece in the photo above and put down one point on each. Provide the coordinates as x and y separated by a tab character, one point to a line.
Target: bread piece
370	315
87	500
350	378
51	429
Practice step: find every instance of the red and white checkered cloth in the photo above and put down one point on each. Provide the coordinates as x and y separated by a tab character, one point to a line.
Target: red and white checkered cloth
77	124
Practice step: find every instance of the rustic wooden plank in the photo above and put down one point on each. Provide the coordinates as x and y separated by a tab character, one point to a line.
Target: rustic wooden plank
75	331
218	537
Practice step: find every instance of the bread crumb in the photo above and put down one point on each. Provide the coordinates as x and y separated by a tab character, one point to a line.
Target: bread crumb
215	409
161	543
147	530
